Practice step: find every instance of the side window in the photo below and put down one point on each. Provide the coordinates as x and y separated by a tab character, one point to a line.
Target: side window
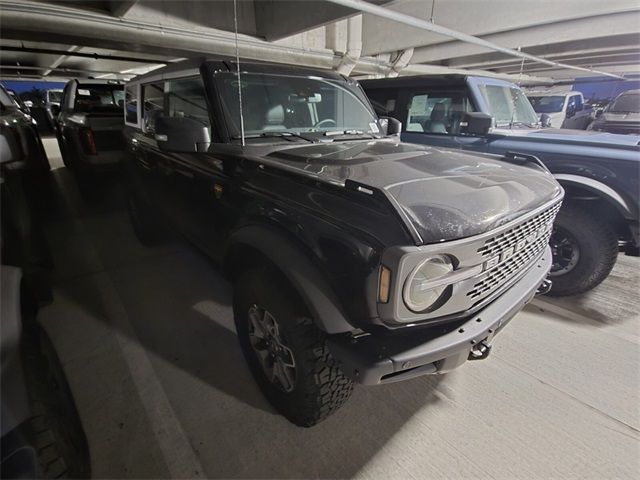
186	98
572	102
437	112
579	105
131	104
153	100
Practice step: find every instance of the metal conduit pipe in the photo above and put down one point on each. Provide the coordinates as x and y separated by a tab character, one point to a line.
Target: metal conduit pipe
121	33
401	62
354	46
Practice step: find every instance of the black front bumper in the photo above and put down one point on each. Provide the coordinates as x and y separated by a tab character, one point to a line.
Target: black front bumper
375	359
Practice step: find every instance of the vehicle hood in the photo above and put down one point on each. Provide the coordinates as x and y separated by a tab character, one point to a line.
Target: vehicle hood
624	118
565	136
441	194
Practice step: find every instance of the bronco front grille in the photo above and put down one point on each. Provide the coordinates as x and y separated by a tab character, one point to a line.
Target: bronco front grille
510	238
509	268
513	250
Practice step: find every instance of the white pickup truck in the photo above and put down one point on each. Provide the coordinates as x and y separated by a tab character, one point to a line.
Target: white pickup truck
563	109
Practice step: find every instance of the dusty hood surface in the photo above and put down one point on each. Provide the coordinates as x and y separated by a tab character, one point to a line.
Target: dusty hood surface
445	194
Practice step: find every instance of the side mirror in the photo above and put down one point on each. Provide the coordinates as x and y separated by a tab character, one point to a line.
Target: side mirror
390	126
55	109
571	111
28	103
599	112
545	120
180	134
476	123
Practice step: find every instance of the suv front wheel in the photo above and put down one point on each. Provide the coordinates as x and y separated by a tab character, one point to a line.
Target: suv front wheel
285	351
584	251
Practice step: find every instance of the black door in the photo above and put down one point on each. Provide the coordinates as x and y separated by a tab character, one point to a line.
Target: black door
193	187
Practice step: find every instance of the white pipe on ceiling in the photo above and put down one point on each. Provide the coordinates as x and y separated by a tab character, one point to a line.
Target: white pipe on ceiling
354	46
365	7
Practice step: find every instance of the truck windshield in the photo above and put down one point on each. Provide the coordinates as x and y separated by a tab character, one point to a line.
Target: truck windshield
275	104
627	103
99	97
547	104
508	105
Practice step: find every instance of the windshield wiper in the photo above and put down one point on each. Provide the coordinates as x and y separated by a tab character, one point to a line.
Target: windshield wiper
289	136
337	133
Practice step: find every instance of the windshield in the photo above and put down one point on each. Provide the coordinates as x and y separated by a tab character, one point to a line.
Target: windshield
55	96
626	103
547	104
99	97
508	105
282	103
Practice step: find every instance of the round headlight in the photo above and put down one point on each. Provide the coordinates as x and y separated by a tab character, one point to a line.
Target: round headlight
417	293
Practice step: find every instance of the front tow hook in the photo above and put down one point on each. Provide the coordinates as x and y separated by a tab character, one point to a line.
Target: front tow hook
480	351
544	287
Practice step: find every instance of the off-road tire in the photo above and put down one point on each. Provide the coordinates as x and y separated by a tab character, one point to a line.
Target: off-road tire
65	154
143	220
598	246
321	387
54	430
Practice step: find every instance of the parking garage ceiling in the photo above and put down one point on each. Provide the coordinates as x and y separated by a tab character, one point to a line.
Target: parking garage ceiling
120	39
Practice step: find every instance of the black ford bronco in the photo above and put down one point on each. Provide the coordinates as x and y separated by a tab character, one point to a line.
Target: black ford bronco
354	257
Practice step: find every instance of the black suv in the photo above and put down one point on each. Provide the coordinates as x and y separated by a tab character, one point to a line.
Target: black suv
354	257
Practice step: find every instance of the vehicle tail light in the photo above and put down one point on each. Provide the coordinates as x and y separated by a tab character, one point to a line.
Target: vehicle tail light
88	141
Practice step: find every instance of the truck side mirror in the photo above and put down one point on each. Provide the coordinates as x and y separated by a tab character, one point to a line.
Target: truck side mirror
545	120
55	109
390	126
571	111
476	123
599	112
181	134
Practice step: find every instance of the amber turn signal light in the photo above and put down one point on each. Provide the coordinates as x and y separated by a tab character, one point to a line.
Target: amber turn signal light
384	284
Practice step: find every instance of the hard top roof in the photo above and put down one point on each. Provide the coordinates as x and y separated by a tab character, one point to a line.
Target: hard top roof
246	66
444	79
94	81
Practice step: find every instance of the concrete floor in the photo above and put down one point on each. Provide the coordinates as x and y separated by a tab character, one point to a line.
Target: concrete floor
147	341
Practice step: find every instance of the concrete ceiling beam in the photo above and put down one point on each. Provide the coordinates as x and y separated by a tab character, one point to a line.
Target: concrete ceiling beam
574	30
60	60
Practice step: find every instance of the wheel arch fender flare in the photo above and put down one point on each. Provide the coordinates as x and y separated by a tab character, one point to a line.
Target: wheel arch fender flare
308	281
625	208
